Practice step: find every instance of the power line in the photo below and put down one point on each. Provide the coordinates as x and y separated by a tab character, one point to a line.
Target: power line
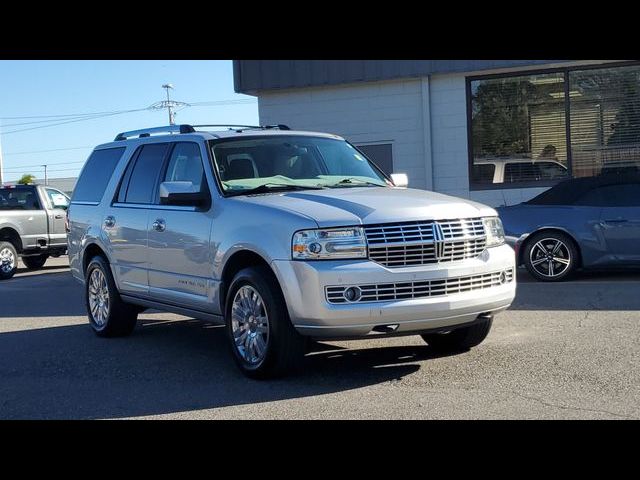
22	167
47	151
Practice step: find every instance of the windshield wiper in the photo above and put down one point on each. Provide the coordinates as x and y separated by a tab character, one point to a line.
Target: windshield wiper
272	187
350	180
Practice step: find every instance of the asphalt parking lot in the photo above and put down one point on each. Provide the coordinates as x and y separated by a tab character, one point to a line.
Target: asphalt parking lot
563	351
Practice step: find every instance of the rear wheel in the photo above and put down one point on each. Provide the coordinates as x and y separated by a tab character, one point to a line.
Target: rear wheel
263	341
550	256
459	339
109	316
35	262
8	260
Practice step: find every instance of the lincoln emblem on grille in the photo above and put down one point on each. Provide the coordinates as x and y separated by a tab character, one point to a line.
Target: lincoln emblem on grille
438	240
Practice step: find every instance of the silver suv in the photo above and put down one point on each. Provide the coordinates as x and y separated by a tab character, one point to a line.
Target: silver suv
282	236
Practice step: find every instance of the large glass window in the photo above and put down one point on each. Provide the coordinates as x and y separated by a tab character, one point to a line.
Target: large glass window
605	119
519	125
517	122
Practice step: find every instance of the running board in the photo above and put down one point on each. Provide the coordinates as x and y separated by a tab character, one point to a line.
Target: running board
207	317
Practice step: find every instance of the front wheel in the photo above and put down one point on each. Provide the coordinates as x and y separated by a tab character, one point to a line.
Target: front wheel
35	262
459	339
8	260
109	316
550	257
263	341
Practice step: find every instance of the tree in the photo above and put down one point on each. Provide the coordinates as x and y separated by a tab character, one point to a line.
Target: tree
26	178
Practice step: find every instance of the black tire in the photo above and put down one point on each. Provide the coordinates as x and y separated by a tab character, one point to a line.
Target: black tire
35	262
559	271
121	317
8	266
460	339
285	347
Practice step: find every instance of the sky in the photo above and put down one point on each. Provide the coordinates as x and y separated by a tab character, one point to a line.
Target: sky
30	88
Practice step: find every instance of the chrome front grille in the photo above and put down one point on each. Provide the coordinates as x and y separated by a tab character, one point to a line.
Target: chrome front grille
419	243
381	292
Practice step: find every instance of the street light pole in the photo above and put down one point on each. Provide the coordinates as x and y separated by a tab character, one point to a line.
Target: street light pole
46	181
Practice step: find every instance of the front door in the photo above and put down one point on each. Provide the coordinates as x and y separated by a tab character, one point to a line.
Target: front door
180	263
57	212
620	221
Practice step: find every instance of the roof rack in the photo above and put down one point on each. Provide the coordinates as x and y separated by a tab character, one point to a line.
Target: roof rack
248	127
146	132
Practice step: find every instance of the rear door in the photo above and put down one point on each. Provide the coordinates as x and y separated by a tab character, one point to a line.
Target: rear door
125	220
180	263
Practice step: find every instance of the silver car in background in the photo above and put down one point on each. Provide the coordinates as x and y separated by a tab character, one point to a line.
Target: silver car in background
281	236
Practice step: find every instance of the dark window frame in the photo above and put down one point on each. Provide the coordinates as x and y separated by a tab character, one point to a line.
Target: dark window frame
522	73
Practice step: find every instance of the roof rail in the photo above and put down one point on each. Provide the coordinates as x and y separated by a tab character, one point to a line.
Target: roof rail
146	132
248	127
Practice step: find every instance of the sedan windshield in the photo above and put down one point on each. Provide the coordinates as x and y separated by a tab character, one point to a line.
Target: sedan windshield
261	164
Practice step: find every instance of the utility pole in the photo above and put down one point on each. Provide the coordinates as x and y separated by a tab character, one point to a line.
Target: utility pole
167	87
169	104
46	180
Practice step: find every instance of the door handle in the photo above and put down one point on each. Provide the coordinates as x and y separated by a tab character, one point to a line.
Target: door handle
110	221
159	225
58	216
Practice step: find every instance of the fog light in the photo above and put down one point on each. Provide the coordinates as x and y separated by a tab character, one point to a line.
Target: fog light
352	294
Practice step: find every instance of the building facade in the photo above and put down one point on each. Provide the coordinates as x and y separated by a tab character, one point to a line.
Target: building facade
499	131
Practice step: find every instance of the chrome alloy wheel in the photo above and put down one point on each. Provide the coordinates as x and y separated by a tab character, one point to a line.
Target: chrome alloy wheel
250	325
7	260
550	257
98	297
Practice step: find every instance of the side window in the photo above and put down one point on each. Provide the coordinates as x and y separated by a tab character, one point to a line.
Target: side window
624	195
551	170
483	172
143	174
57	199
96	175
381	155
185	165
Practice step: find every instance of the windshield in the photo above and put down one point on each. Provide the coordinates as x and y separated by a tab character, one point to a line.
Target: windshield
292	162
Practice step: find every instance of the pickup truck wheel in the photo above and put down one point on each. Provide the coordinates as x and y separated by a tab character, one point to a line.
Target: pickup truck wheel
263	341
460	339
109	316
8	260
35	262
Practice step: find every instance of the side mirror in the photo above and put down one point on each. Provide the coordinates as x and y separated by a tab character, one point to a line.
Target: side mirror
181	193
400	179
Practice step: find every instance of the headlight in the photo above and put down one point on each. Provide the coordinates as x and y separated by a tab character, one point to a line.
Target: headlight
330	243
494	231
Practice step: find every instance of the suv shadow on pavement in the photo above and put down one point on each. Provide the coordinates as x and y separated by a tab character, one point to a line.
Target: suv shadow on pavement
167	367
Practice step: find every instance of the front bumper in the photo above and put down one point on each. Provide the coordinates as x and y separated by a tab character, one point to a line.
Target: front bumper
303	285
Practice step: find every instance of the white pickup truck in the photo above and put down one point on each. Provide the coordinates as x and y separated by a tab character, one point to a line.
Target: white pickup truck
32	226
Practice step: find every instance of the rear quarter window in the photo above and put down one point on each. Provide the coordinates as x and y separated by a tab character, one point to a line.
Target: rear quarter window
96	175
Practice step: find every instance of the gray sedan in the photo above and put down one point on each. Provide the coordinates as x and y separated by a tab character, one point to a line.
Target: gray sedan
579	223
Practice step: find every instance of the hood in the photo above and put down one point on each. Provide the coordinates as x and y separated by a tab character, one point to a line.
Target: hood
370	205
